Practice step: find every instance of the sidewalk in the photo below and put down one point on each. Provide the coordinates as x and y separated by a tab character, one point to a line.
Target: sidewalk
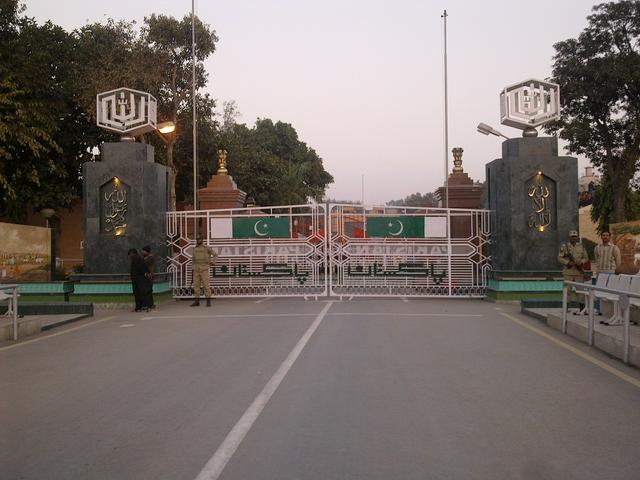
606	338
34	324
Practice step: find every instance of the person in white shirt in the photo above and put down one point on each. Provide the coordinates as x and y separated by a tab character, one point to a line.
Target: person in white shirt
607	260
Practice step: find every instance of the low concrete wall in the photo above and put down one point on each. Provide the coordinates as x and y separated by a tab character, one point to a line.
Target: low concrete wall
26	327
605	338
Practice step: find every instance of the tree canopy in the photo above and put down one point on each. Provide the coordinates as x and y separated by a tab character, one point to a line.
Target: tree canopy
417	199
599	77
49	79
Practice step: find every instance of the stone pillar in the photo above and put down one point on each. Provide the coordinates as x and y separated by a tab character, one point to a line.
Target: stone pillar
221	191
534	196
125	205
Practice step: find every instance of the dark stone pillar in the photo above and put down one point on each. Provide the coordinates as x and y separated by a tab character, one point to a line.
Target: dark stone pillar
125	202
533	193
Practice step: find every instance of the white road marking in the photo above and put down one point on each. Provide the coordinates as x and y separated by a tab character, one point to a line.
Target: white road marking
214	467
392	315
337	314
127	325
405	299
263	300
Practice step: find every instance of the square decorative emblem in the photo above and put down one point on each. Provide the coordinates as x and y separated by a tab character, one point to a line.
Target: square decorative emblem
529	104
124	110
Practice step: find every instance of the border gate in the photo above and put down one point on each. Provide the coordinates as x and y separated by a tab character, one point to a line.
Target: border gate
335	249
262	251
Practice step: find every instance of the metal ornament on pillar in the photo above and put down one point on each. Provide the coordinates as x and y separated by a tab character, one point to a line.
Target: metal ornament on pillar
126	111
529	104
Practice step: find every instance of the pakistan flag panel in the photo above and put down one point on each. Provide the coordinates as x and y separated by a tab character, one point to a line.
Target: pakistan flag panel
261	227
399	227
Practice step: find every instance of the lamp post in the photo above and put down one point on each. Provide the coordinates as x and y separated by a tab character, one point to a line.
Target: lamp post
485	129
48	213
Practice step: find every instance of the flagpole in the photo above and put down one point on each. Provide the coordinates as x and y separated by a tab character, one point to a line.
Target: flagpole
446	117
446	152
193	96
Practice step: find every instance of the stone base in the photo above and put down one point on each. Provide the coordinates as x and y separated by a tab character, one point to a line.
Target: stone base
221	192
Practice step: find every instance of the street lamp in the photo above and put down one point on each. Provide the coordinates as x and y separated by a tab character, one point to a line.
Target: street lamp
485	129
166	127
48	214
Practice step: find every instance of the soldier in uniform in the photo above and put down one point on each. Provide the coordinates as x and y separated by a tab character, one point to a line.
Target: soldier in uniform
573	256
201	257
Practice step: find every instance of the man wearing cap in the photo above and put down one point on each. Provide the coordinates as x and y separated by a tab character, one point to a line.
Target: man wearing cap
573	256
201	257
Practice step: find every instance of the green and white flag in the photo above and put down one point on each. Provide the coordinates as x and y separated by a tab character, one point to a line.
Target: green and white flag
406	227
250	227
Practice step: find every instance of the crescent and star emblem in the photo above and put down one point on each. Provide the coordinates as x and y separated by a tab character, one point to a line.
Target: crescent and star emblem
265	228
400	229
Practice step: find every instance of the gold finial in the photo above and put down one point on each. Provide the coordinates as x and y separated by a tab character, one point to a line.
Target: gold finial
457	159
222	162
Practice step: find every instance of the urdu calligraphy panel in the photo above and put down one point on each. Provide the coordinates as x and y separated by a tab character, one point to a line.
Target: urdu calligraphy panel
114	207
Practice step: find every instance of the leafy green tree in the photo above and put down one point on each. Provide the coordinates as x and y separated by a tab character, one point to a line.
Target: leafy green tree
156	59
599	77
43	130
272	165
602	206
416	200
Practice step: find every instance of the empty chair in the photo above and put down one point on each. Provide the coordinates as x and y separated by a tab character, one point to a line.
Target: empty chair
620	283
7	297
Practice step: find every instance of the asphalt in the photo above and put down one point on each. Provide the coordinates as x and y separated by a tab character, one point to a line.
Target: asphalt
384	389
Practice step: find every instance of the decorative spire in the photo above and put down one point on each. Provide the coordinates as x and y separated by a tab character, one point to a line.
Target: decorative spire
457	160
222	162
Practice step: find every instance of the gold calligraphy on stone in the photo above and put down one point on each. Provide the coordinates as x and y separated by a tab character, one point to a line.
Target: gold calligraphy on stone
540	217
115	208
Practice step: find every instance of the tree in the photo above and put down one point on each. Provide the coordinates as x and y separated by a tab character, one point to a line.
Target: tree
599	77
170	41
157	60
416	200
272	165
43	130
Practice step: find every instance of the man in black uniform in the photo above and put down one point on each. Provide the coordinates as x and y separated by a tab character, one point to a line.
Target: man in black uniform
139	280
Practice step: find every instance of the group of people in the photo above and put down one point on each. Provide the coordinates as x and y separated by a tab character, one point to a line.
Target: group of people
143	266
574	257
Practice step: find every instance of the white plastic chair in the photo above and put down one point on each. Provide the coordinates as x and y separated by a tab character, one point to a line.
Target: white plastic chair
7	297
620	283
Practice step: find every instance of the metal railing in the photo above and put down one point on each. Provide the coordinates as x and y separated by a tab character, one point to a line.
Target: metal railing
13	306
623	302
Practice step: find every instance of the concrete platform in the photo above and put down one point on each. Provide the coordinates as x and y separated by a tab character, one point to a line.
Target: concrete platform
606	338
34	324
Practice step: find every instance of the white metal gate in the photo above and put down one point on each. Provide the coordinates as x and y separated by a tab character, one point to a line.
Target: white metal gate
404	251
338	249
262	251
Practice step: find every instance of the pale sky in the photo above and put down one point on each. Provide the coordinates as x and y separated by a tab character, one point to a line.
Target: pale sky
362	80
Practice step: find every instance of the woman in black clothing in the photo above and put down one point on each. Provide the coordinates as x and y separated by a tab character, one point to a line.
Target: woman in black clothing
139	280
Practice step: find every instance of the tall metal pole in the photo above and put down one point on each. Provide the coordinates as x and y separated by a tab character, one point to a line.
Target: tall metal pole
193	94
446	155
446	117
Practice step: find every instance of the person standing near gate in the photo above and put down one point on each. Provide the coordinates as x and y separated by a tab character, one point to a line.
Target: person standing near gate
201	257
607	260
573	256
139	280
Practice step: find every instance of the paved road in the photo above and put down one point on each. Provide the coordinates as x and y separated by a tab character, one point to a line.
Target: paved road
382	389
